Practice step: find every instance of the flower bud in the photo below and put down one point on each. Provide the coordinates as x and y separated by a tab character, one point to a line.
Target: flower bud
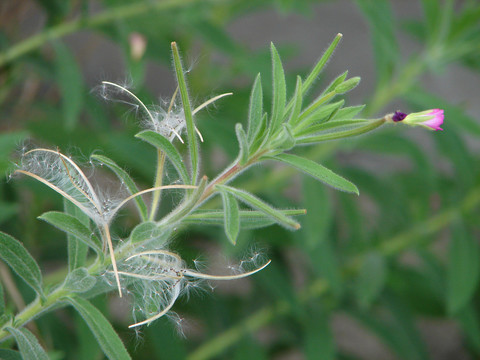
430	119
347	85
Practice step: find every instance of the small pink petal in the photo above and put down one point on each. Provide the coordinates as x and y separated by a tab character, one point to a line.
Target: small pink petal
436	121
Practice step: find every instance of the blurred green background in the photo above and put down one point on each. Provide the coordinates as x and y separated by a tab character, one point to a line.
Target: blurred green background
392	274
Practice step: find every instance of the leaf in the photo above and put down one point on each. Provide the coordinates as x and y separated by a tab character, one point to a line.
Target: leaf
371	279
297	103
103	331
182	85
371	125
249	219
6	354
243	144
258	204
337	81
232	219
318	171
348	112
27	344
463	269
126	179
320	115
79	280
69	79
19	259
317	69
279	91
162	143
73	226
255	110
148	230
333	126
77	249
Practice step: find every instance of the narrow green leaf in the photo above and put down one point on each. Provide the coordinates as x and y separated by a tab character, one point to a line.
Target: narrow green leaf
371	279
79	280
255	110
73	226
347	85
6	354
336	82
77	249
297	103
146	231
70	81
242	143
258	204
20	260
261	137
182	85
126	179
348	112
317	69
232	218
319	115
315	105
318	171
463	269
333	126
371	125
101	328
249	219
279	91
27	344
162	143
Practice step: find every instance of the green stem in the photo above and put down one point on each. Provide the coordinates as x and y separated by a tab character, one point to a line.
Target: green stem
120	12
33	310
391	247
158	183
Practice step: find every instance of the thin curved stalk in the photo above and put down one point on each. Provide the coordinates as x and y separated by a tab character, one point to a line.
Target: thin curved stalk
161	313
199	275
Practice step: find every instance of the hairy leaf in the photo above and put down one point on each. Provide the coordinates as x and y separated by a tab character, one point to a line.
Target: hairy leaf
73	226
162	143
318	171
20	260
101	328
232	219
255	110
279	91
258	204
27	344
79	280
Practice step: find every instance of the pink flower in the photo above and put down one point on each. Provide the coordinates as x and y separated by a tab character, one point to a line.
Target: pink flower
430	119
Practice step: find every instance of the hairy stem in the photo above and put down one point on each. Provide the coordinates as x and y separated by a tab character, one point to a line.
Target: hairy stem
158	183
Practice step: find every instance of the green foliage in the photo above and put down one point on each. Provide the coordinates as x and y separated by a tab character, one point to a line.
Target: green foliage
20	260
403	251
